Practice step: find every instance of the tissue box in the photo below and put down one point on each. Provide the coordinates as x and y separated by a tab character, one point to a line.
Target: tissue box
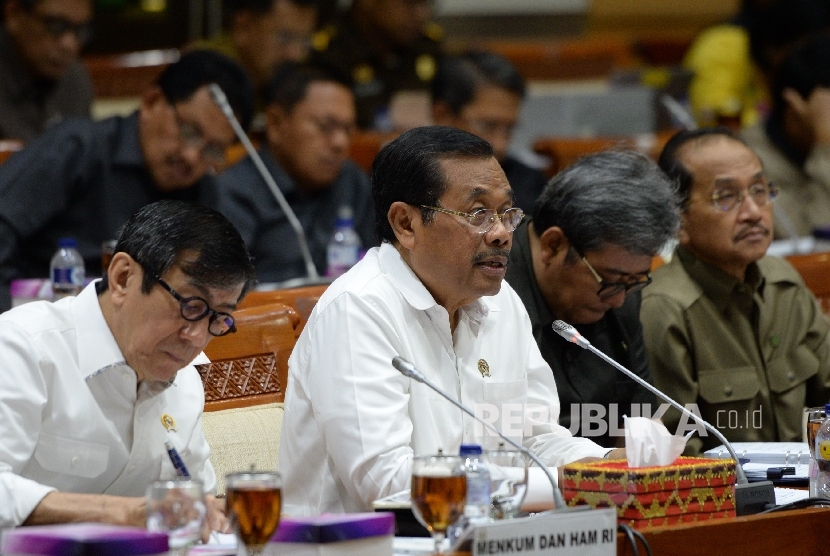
362	534
690	489
82	539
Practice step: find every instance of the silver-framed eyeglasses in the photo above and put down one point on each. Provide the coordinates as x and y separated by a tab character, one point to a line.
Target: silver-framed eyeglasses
727	198
483	220
610	289
193	138
195	309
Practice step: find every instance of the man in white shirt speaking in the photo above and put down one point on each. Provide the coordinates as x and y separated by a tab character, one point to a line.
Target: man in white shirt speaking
93	386
432	293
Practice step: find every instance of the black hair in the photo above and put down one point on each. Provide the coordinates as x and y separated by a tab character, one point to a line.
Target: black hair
160	233
198	68
408	170
610	198
292	80
779	25
459	78
673	167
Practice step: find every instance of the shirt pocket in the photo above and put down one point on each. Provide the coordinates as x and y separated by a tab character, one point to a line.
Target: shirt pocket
792	370
728	385
512	391
71	456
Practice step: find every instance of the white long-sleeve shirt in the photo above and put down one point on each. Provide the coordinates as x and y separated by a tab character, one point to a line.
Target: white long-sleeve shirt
353	423
74	419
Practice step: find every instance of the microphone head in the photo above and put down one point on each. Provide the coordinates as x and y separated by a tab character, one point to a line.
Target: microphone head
407	369
569	333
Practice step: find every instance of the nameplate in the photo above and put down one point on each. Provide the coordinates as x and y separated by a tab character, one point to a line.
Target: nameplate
583	533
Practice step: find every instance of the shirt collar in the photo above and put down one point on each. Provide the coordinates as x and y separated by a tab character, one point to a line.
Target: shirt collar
718	285
97	348
523	277
413	290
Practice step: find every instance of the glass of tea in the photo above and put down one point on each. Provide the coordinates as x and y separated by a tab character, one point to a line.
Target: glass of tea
254	501
815	417
439	493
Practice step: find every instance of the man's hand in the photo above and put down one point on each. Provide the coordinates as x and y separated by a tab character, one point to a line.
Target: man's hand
813	114
216	518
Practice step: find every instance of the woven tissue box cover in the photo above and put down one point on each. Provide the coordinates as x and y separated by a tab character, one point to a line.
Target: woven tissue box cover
690	489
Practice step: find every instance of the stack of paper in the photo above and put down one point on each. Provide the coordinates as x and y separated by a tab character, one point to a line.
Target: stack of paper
758	457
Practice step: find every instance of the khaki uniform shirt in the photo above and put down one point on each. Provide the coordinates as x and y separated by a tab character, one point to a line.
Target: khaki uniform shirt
751	355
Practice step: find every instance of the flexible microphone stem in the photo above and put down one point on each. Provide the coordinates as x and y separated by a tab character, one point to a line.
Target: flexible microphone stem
408	369
570	333
221	101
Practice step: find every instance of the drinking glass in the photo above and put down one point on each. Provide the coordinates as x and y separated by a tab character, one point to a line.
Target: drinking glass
508	481
254	502
815	416
439	493
178	509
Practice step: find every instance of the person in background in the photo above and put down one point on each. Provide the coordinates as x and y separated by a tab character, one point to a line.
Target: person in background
83	178
583	258
794	143
482	93
95	385
263	34
390	50
310	119
42	80
727	327
432	293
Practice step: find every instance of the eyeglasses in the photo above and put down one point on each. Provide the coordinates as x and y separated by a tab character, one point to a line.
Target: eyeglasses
610	289
728	198
299	40
192	138
489	128
58	27
483	220
195	309
329	127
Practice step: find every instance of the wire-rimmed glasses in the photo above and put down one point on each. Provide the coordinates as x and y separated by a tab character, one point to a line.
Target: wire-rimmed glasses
483	220
728	198
610	289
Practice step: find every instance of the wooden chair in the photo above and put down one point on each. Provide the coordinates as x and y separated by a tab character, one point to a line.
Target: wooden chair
245	389
301	300
8	147
127	75
815	271
366	145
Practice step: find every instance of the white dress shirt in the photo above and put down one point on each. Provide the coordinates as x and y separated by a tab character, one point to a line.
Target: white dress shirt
352	422
74	419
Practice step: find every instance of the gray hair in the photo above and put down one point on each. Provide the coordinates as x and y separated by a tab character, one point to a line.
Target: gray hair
610	198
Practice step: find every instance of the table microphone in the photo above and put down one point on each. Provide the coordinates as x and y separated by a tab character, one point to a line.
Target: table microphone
750	498
312	278
408	369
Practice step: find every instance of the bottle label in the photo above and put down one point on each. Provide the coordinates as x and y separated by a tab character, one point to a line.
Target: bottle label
340	259
68	276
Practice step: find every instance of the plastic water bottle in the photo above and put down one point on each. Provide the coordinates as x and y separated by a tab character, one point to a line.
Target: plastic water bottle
67	269
823	457
477	509
343	249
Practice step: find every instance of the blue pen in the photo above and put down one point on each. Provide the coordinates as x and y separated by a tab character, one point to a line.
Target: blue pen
177	461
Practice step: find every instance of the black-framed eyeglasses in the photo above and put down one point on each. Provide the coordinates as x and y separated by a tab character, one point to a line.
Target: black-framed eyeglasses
195	309
57	27
728	198
610	289
483	220
193	138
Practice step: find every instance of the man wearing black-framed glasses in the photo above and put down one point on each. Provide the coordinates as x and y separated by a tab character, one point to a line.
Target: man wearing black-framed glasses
583	258
42	80
95	386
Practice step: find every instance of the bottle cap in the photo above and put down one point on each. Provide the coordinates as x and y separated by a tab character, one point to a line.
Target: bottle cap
68	242
827	409
473	449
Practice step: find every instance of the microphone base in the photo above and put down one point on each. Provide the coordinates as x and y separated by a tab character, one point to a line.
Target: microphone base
752	498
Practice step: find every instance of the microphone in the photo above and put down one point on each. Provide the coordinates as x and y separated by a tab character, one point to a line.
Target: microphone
313	278
408	369
750	498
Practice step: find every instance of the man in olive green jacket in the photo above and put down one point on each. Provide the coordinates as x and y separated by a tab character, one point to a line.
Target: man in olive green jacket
726	327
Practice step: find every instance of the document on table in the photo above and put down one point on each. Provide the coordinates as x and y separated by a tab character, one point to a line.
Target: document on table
763	455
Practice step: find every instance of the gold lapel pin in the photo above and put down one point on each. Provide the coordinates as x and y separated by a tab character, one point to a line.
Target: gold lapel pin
483	368
168	422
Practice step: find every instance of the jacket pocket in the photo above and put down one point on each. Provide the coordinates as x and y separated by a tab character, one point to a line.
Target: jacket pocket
728	385
791	370
71	456
513	391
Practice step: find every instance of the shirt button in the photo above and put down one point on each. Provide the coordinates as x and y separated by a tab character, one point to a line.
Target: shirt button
791	376
727	390
74	461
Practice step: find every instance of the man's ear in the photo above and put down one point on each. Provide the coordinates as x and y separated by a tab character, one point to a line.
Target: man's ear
402	218
554	246
682	234
151	97
274	117
122	270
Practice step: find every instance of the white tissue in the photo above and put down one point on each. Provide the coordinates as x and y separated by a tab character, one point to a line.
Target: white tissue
648	443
